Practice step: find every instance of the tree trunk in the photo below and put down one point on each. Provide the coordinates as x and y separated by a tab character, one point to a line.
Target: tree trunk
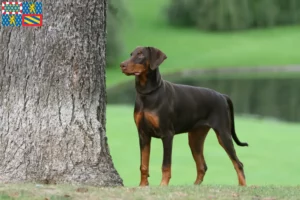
53	98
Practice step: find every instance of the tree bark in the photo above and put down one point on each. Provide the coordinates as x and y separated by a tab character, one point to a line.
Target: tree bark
53	98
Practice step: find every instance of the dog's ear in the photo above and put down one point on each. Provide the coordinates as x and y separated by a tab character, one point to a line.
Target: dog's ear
156	57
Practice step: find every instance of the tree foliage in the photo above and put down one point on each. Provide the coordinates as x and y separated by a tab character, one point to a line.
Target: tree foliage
222	15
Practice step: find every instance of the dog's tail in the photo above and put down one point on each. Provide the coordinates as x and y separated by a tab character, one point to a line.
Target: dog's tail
233	133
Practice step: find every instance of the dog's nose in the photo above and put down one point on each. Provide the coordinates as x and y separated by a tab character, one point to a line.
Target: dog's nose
122	65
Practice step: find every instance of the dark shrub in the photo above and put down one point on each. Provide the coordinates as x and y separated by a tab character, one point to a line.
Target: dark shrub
222	15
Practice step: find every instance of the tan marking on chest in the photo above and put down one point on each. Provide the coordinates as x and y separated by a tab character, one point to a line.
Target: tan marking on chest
152	119
137	118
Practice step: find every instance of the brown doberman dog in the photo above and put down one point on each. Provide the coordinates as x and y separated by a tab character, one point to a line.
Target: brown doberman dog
163	109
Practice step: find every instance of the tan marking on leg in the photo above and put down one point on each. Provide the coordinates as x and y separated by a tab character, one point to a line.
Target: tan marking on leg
166	176
240	173
145	157
241	177
196	143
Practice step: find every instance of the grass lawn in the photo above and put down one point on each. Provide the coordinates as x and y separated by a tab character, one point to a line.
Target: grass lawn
190	48
63	192
271	166
270	159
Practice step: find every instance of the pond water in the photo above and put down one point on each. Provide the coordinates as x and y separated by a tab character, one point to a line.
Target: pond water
268	97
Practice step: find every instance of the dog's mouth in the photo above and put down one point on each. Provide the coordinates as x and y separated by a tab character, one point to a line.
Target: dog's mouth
131	73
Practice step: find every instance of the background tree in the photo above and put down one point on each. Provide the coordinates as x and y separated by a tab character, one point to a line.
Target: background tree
224	15
53	98
115	16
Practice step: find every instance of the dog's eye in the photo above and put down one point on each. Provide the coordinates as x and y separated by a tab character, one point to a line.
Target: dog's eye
140	54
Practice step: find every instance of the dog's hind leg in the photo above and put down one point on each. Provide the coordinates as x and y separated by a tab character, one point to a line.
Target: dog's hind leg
225	141
196	143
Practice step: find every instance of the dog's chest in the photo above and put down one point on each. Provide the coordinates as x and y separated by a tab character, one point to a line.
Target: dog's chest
146	118
147	122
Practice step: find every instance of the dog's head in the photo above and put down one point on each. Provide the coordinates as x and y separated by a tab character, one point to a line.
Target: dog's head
142	60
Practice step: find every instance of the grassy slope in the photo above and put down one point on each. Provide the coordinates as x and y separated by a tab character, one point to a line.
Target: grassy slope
188	48
270	159
62	192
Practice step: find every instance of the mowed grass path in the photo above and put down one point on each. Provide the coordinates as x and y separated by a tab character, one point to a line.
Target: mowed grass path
191	48
272	157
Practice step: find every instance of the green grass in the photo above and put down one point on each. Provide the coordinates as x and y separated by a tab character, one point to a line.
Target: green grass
271	166
271	158
190	48
66	192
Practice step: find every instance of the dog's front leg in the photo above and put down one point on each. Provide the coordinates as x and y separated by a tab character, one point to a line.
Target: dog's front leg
167	159
145	143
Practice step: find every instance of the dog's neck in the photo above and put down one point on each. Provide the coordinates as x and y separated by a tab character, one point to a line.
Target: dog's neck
148	83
